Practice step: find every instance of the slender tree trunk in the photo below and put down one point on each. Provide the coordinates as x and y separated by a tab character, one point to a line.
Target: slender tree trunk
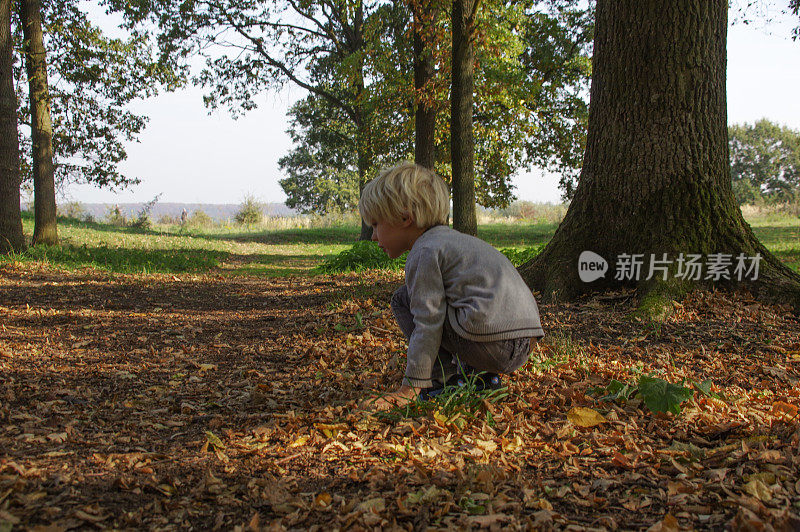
461	100
364	167
11	238
45	229
655	176
425	108
361	111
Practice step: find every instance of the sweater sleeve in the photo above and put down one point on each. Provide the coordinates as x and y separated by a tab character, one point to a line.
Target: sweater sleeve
429	309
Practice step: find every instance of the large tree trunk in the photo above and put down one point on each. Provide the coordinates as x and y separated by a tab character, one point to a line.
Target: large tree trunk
425	108
11	238
655	176
462	144
45	230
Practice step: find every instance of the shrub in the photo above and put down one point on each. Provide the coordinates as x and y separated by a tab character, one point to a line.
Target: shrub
251	211
72	209
114	216
538	212
519	256
363	255
199	218
143	218
166	219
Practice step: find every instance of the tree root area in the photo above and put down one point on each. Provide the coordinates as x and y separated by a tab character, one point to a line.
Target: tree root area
205	402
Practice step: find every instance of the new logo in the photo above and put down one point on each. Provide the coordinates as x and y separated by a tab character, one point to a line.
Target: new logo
591	266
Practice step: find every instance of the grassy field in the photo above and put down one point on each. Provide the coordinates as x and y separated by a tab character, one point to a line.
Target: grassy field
279	252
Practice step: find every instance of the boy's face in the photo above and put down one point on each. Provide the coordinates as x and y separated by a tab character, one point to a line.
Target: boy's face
394	239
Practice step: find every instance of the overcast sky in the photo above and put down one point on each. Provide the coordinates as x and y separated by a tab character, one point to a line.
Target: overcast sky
189	156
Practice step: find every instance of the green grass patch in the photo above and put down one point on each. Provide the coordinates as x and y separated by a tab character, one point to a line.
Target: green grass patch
520	255
781	235
520	234
122	260
274	250
363	255
366	255
455	406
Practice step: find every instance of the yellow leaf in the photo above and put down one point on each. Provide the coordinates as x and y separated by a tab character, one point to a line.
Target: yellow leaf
424	495
330	431
766	477
585	417
214	440
486	445
375	505
779	408
207	367
299	441
323	499
57	437
166	489
759	490
513	445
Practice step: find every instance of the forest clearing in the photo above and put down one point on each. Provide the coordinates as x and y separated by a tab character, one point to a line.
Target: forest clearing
222	399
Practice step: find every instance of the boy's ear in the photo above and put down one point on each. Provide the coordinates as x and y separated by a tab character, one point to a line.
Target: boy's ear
408	220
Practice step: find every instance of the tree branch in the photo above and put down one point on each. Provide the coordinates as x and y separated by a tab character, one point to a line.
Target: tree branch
471	18
259	47
327	33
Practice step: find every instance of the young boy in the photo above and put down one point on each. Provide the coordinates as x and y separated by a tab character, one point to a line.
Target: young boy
464	307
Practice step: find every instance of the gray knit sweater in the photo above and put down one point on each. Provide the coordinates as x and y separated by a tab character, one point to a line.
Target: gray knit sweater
461	278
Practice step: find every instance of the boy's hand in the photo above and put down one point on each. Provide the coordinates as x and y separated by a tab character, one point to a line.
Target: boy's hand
402	396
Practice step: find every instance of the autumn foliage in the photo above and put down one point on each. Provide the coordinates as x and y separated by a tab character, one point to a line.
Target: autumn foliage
207	402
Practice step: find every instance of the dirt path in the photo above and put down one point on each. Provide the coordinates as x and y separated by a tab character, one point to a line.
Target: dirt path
209	402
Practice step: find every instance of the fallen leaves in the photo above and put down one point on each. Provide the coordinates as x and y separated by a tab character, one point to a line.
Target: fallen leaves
234	406
585	417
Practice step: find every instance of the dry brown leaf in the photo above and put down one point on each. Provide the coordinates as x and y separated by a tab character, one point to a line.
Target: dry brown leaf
585	417
668	524
759	490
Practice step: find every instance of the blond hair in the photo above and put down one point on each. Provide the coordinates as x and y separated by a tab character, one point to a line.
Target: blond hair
406	189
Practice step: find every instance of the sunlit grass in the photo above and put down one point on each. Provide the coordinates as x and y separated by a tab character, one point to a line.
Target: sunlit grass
780	233
281	248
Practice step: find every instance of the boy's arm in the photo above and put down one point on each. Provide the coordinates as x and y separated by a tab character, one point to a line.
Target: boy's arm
429	309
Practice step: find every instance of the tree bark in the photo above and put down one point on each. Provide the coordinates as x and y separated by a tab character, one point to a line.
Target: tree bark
364	166
44	195
11	238
655	177
425	109
462	143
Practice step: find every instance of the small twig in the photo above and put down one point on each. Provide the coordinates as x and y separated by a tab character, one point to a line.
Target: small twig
288	458
387	331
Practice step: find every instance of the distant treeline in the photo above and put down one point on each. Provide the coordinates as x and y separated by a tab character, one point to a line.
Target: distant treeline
217	211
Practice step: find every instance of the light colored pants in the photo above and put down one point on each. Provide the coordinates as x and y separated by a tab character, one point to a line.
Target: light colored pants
499	356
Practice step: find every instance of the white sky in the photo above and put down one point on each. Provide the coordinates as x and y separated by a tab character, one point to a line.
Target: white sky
190	156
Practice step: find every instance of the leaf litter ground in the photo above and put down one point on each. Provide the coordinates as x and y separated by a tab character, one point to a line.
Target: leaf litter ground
207	402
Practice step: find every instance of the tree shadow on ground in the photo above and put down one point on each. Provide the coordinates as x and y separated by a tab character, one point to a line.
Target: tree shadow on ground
325	235
128	260
222	402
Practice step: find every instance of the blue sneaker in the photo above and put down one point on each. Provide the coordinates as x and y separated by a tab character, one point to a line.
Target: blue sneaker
487	381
